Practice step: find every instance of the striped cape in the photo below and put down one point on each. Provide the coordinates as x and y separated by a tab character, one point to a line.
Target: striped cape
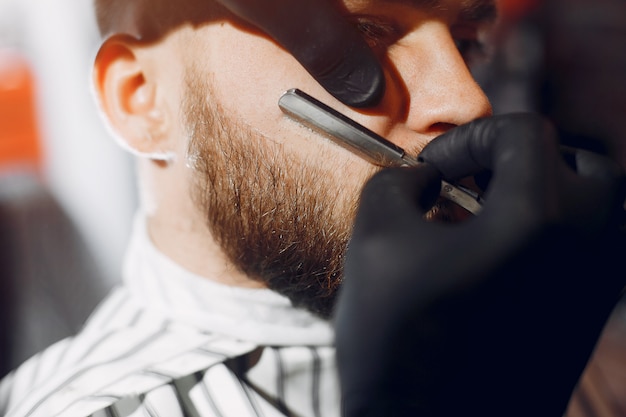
130	361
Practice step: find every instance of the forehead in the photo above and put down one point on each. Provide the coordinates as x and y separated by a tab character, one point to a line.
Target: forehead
467	10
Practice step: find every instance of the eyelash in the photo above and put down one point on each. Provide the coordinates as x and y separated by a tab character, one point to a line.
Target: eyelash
377	33
381	34
471	49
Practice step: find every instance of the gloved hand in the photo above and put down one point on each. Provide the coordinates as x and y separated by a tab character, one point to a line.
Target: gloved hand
331	50
494	316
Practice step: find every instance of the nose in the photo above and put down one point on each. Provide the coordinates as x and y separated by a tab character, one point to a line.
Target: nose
436	85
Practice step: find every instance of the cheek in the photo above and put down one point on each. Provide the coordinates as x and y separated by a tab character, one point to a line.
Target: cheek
249	73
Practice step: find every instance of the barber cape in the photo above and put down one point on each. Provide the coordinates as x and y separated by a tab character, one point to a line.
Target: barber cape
172	344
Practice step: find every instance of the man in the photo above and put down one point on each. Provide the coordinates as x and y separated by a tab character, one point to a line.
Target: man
237	199
238	249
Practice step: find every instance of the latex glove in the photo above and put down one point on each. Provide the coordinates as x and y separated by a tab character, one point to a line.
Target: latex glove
495	316
329	48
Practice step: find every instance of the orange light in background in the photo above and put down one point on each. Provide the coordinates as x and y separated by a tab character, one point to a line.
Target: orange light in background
512	10
19	134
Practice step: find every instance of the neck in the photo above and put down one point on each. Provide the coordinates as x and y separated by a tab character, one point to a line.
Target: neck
178	229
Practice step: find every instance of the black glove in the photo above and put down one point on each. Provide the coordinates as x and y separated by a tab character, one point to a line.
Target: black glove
316	34
494	316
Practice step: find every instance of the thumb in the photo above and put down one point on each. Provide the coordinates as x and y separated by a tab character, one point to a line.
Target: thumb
395	194
329	48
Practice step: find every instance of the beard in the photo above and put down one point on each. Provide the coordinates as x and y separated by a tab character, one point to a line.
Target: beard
279	217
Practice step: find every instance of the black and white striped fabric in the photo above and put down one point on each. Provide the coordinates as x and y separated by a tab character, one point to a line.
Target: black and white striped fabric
171	344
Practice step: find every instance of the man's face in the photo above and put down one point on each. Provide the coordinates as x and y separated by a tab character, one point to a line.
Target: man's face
278	198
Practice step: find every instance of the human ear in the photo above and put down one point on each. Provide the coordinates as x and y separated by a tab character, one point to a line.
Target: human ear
127	90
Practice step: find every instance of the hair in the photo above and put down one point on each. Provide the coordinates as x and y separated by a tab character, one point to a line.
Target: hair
107	12
151	19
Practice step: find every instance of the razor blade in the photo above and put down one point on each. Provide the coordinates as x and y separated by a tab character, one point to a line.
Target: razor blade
358	139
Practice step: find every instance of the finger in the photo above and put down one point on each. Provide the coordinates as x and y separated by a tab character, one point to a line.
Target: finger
602	181
593	165
520	149
398	194
530	176
330	49
522	152
508	141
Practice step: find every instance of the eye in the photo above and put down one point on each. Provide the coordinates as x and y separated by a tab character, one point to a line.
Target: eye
473	42
472	50
378	33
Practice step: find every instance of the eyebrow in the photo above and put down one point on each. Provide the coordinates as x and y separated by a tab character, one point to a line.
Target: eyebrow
473	11
477	11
